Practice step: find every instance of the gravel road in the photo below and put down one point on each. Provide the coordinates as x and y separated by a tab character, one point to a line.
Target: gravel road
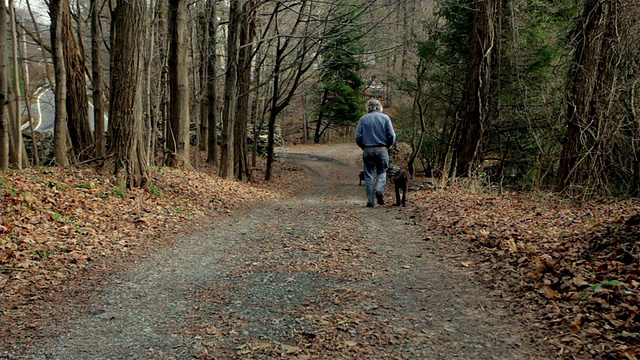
317	276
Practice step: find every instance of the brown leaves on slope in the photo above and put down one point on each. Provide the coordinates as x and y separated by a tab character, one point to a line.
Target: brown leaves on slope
55	223
571	268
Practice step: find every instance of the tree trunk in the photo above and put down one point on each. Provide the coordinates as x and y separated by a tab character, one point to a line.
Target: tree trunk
151	121
60	132
27	99
178	138
4	62
77	100
417	147
634	189
583	82
162	27
15	136
275	109
474	111
96	69
127	154
212	98
231	90
247	34
318	133
203	33
258	118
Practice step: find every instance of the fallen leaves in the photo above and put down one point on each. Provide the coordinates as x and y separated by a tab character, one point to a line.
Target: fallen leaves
268	348
56	222
570	267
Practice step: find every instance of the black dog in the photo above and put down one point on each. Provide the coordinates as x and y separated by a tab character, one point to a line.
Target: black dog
401	181
361	177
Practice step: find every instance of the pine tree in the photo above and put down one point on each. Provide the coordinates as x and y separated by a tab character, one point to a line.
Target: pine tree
342	103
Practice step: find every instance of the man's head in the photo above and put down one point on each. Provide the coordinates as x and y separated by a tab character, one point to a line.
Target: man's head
374	105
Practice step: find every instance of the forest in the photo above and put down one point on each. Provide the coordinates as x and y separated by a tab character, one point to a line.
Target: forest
532	95
521	115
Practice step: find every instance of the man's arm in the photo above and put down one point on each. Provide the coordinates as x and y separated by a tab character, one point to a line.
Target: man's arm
359	135
391	134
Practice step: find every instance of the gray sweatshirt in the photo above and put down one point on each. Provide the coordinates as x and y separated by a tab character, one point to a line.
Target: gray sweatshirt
375	129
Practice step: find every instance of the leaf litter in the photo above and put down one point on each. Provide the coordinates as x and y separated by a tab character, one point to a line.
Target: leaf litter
570	269
60	226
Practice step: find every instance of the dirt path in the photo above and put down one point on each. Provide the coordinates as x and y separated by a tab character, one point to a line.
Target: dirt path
318	276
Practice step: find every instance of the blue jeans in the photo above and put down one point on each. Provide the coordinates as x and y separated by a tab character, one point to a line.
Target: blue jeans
376	162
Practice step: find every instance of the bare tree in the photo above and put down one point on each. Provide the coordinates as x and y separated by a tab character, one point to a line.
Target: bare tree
298	34
4	119
96	70
77	100
635	142
474	111
151	123
15	135
231	90
127	153
211	96
583	78
246	54
27	98
178	139
60	132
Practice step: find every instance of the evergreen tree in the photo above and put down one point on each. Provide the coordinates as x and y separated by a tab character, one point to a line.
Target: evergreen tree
341	85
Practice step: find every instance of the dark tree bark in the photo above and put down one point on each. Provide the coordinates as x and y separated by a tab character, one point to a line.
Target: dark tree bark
150	114
76	100
162	117
178	138
583	81
27	99
203	40
231	90
474	111
318	132
61	132
4	118
17	155
212	98
127	154
634	189
96	70
247	35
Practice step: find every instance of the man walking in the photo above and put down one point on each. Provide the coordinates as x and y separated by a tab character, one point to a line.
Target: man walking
374	135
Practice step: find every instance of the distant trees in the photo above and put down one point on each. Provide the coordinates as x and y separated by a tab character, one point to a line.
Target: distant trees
288	35
530	94
298	31
525	113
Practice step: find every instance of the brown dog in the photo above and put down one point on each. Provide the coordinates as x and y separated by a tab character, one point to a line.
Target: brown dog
401	182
